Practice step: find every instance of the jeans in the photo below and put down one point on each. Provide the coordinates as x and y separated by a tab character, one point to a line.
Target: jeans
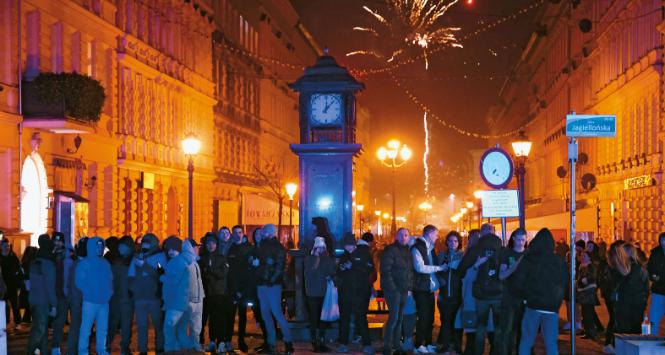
393	328
241	309
425	323
314	307
59	322
354	305
194	315
449	338
482	313
512	311
656	311
121	315
39	330
98	314
75	308
549	323
175	330
408	328
143	309
271	306
219	311
11	297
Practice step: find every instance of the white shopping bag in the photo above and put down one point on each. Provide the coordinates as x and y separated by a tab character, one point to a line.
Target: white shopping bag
330	309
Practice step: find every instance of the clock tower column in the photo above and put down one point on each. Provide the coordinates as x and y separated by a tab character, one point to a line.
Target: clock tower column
327	147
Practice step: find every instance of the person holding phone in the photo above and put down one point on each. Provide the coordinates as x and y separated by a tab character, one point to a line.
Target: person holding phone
512	303
450	294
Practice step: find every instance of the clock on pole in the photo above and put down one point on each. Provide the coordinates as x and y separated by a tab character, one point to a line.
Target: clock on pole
496	168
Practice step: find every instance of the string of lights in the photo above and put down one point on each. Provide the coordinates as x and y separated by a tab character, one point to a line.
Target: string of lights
453	126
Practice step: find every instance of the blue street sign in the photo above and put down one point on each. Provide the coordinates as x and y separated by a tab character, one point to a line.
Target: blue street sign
591	125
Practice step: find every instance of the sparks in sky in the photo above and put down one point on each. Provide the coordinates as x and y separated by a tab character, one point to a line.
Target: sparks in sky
426	153
412	23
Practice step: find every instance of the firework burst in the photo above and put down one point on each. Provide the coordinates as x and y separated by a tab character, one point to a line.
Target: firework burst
412	24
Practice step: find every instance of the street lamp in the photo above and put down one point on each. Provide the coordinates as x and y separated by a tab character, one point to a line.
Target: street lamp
291	189
478	194
191	146
425	207
395	155
360	209
521	149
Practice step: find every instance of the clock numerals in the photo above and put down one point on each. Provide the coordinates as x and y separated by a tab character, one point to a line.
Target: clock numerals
326	109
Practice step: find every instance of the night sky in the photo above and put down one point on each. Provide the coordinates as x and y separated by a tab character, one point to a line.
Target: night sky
485	60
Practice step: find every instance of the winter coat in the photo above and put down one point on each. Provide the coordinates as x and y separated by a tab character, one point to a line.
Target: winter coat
196	292
215	272
422	282
450	281
143	280
74	295
175	281
11	270
355	281
488	285
120	269
240	276
588	296
396	269
316	277
632	290
542	274
656	268
42	281
272	259
93	275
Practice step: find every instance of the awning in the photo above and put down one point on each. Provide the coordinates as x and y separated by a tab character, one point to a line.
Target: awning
73	196
586	224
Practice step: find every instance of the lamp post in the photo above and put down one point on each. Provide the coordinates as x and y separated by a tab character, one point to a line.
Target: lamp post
521	149
360	209
425	207
478	194
395	155
291	189
470	205
191	146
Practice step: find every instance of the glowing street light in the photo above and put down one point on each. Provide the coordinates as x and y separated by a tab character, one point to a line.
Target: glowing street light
360	209
291	189
389	158
190	146
521	149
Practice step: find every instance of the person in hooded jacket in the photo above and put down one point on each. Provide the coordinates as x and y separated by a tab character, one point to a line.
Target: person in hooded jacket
121	307
144	285
512	304
487	290
656	268
215	270
353	273
450	293
542	277
94	278
75	297
63	263
239	282
43	300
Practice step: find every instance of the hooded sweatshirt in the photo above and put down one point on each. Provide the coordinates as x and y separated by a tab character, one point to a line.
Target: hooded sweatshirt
93	275
177	285
42	276
120	269
144	280
542	274
195	289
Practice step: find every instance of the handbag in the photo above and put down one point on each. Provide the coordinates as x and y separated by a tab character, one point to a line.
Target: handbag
330	309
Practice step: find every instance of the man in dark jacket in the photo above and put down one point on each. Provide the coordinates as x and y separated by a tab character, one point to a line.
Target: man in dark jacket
239	281
144	284
269	265
354	272
542	276
396	284
487	289
75	297
426	283
656	269
121	306
42	295
63	265
11	271
214	271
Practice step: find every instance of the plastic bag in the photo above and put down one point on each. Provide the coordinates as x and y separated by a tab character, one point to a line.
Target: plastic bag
330	309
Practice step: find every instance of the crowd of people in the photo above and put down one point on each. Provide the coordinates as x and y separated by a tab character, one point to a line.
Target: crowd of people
485	293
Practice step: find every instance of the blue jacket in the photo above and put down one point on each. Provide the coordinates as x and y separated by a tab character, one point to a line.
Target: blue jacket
144	280
175	289
93	275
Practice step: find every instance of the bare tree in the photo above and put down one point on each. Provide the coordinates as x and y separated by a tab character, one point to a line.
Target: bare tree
272	178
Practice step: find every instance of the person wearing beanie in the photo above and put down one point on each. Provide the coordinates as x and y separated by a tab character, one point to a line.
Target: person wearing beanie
172	247
354	272
143	281
63	263
121	307
239	282
42	298
214	270
269	263
94	278
319	269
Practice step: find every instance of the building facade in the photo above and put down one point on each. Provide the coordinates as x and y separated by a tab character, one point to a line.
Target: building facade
592	57
126	173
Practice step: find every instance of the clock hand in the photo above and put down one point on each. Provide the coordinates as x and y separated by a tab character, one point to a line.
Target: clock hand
325	109
494	171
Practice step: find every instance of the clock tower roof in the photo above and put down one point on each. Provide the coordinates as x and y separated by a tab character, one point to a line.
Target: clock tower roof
326	75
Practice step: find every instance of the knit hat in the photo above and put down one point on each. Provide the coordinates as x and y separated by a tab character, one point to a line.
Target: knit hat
58	237
349	239
45	242
173	242
368	237
319	242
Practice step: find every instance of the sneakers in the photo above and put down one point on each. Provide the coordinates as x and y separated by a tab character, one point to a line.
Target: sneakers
221	348
342	349
432	349
421	350
210	347
608	349
368	350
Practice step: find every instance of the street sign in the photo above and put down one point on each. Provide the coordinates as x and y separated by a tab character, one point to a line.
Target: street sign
591	125
500	204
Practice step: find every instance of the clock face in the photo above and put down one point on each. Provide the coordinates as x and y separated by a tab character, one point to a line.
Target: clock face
326	109
496	168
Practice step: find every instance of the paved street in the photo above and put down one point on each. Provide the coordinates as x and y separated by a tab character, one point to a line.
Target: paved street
18	340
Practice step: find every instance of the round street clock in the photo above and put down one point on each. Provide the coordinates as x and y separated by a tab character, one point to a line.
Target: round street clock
496	168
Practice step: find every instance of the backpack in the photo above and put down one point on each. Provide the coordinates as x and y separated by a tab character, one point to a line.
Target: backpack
487	285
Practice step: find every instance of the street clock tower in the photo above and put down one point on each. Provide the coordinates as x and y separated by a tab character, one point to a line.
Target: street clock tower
327	146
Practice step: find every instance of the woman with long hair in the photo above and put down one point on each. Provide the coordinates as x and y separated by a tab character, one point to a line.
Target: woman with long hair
512	302
450	293
319	269
586	294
